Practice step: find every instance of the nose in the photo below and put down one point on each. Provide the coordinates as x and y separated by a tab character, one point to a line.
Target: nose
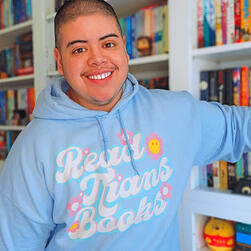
96	57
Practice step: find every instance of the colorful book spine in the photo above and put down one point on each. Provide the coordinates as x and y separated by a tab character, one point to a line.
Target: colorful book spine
245	32
224	20
210	175
237	21
216	174
223	170
218	23
221	77
204	85
228	87
2	107
166	33
211	22
200	23
206	27
213	86
230	22
203	176
128	21
236	86
244	92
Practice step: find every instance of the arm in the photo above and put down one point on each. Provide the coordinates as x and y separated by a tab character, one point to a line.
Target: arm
25	203
225	132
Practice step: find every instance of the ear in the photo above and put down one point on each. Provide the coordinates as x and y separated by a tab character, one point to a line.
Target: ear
58	58
124	43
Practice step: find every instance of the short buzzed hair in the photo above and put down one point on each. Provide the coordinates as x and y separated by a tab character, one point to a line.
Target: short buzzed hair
73	9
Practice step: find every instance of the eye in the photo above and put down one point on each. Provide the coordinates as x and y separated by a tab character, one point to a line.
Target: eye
79	50
109	45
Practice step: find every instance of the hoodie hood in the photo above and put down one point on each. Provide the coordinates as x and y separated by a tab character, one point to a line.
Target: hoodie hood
53	103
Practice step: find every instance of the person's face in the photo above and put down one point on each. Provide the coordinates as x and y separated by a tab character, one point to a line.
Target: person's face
93	59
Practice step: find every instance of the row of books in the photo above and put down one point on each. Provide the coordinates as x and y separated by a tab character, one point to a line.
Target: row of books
230	86
16	106
223	22
14	12
7	139
155	83
17	60
146	31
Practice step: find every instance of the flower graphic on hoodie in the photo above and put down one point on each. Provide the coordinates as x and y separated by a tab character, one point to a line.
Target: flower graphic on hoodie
154	146
75	205
122	138
74	227
165	191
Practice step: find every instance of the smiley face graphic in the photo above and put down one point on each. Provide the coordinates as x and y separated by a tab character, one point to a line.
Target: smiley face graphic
154	146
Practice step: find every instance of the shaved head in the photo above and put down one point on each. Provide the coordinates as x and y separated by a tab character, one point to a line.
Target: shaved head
73	9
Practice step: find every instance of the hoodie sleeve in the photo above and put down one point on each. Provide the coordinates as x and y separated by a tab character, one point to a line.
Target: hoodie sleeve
25	203
225	132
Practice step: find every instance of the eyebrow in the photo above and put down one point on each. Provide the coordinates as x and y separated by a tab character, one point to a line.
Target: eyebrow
86	41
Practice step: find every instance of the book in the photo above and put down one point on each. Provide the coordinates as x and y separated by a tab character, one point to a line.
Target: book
221	80
237	21
223	173
216	174
2	107
231	167
213	86
206	26
236	86
211	22
245	30
224	20
244	92
228	87
166	30
204	85
200	23
218	23
203	176
230	22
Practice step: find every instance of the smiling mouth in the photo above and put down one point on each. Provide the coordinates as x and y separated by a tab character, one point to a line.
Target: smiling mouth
100	76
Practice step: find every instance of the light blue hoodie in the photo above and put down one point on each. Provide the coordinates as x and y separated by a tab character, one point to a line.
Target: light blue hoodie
92	180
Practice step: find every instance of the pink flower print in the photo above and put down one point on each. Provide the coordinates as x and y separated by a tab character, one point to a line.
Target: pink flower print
119	178
86	151
165	191
81	194
122	138
74	227
154	146
75	205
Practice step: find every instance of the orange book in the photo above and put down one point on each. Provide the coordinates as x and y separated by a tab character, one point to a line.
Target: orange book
244	92
223	175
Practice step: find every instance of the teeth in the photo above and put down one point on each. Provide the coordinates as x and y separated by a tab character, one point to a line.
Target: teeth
100	76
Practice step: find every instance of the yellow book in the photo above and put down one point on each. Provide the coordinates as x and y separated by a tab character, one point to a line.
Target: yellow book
166	32
218	26
223	175
245	30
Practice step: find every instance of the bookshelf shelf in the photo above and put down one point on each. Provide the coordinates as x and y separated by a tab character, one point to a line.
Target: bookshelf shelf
8	35
149	59
17	82
226	52
11	128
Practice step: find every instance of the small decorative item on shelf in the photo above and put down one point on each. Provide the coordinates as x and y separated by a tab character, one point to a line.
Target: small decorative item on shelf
144	46
219	235
243	186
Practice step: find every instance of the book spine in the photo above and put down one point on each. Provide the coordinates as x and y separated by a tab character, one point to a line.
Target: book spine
221	77
200	23
218	25
204	85
223	175
224	20
212	22
206	27
216	174
230	22
239	169
249	85
133	31
203	176
228	87
210	175
245	34
249	163
166	33
244	99
129	36
213	86
237	21
245	164
231	175
236	86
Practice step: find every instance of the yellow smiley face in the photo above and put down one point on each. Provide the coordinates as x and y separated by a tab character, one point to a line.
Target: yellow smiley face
154	146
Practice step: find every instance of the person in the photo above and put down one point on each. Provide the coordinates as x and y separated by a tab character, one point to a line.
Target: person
104	163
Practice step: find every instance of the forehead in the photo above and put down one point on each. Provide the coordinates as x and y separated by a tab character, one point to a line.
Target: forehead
87	25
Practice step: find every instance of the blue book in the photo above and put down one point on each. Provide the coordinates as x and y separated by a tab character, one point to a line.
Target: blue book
129	35
206	21
28	10
2	107
211	22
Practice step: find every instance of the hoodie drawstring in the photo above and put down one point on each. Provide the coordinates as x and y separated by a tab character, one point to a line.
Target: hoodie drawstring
103	137
128	144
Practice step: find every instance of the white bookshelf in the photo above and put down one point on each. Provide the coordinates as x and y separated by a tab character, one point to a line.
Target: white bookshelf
199	203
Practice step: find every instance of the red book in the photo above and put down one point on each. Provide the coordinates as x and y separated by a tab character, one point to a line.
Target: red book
224	20
25	71
244	95
237	21
30	101
200	23
1	15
